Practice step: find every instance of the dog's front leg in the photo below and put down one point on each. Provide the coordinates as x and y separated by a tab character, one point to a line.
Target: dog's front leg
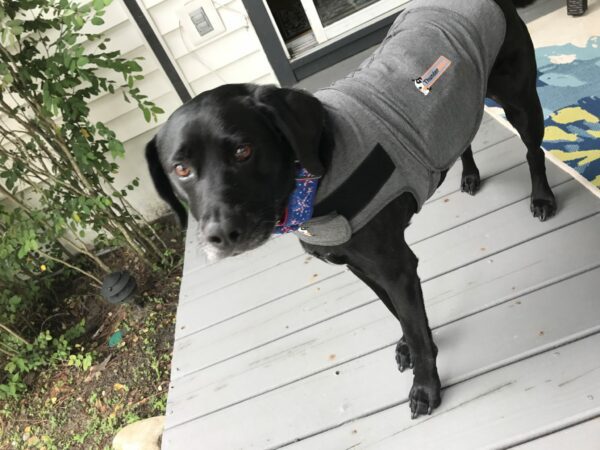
396	275
404	289
407	298
379	255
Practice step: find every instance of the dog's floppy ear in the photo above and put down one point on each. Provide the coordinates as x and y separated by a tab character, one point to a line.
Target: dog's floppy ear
299	117
162	183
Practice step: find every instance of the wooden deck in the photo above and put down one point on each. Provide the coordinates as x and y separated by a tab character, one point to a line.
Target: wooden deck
276	349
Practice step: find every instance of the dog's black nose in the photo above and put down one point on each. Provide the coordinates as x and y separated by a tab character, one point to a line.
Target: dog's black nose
222	235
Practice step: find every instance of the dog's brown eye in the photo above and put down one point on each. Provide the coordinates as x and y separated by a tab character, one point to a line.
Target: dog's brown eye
182	171
243	152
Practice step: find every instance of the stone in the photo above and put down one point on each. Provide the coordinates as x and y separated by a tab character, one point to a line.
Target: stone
142	435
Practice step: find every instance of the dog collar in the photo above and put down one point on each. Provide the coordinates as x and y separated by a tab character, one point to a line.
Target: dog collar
299	208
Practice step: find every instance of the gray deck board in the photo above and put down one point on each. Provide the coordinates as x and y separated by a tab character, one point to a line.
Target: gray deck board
322	402
275	347
583	436
523	400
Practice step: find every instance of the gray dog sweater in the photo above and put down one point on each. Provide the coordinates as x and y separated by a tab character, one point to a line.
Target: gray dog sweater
419	97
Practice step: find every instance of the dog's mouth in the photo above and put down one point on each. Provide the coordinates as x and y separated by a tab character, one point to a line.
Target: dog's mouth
258	234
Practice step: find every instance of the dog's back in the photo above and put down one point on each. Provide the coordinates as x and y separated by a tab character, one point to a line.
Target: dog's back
446	47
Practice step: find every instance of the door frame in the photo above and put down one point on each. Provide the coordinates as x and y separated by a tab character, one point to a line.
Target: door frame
329	53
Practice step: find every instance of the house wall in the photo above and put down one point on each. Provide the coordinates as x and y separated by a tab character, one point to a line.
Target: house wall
234	56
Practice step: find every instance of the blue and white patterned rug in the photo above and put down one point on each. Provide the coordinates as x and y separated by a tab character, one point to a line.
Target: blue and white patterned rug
569	90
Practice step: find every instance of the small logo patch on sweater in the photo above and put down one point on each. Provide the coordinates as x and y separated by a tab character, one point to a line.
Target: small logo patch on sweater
431	75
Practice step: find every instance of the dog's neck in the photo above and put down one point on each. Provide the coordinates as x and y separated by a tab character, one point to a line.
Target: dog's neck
299	208
327	142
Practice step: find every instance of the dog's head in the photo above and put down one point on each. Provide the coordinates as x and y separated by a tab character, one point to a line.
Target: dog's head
229	155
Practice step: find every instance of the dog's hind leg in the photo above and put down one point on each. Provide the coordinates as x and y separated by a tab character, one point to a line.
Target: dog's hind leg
529	122
470	180
512	84
527	118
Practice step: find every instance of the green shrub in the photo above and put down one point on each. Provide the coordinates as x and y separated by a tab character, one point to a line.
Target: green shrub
57	169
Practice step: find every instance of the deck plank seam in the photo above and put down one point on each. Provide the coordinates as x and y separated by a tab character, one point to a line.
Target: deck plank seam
266	269
592	415
283	336
527	291
485	147
515	244
208	264
279	297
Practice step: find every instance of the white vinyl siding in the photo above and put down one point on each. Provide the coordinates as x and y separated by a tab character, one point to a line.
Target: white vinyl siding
234	56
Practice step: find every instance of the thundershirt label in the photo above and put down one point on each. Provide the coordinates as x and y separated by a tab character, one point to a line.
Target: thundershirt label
431	75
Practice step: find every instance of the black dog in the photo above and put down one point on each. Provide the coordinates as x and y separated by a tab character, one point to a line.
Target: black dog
230	154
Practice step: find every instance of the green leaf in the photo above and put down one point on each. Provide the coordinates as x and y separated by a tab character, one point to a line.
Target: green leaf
14	301
97	21
21	364
98	5
7	79
22	252
69	38
116	149
79	22
10	367
147	114
82	61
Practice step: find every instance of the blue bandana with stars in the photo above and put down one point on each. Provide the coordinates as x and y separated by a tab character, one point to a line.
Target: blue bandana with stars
300	204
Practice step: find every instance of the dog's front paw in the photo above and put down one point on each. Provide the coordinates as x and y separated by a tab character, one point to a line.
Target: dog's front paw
543	208
470	183
424	397
403	355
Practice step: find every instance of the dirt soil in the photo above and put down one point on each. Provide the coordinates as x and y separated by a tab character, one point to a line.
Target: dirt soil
67	407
